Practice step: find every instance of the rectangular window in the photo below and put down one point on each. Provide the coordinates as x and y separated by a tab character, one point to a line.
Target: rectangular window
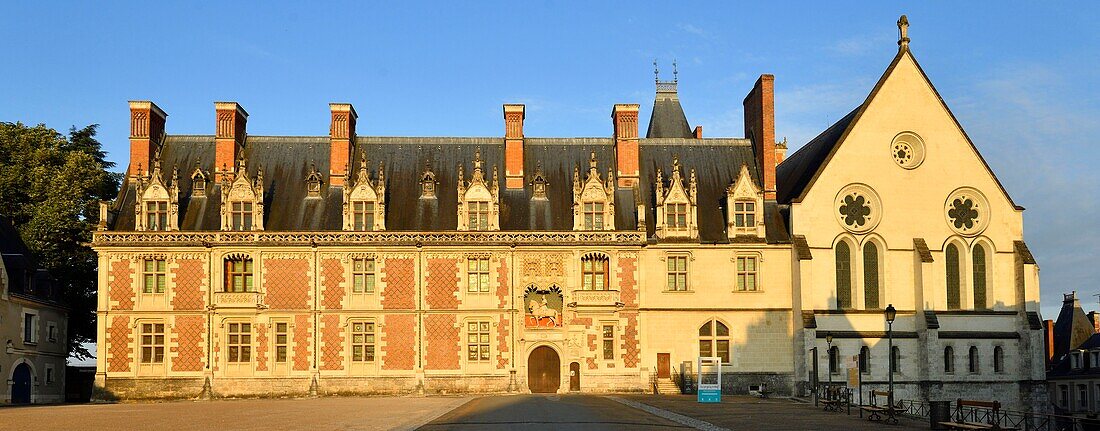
362	276
677	273
152	343
49	375
477	342
156	215
477	274
609	342
744	214
30	330
51	332
1082	397
593	216
153	276
241	216
240	342
281	341
238	275
594	273
676	216
479	215
362	342
363	215
746	273
1063	400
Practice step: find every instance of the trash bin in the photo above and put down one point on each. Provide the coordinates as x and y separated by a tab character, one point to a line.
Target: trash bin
939	411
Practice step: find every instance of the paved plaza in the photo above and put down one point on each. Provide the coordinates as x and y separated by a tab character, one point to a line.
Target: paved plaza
492	412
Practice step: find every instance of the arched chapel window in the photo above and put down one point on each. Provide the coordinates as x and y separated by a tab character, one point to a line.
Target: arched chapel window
979	277
973	360
948	360
895	359
864	358
714	340
870	276
953	288
843	276
834	359
998	359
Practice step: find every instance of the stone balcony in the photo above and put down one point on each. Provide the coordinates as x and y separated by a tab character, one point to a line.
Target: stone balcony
596	298
238	300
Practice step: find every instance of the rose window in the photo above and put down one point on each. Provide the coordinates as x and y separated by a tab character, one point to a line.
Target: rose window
855	211
962	213
858	208
907	149
967	211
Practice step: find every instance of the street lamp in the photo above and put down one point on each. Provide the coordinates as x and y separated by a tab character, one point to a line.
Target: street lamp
829	371
891	313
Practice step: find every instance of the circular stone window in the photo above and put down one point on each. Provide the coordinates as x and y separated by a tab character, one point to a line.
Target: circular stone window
907	150
967	211
858	208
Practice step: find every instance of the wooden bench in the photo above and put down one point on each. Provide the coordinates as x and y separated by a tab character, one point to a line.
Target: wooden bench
835	399
960	422
877	410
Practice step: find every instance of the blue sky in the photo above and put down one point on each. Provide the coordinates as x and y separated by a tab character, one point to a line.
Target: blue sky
1019	76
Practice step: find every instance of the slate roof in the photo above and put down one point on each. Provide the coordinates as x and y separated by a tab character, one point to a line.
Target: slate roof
24	277
286	161
1072	326
795	172
667	119
1062	368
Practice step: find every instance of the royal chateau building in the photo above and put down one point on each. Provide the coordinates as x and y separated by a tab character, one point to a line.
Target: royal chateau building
235	264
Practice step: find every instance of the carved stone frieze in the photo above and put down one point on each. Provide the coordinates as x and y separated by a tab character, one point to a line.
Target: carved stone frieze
129	239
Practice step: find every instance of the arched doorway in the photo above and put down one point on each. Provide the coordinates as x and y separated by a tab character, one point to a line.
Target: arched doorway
543	370
21	384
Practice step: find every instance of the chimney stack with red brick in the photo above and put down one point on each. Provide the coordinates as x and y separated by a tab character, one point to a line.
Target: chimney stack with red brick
146	134
229	135
625	117
342	140
760	128
513	145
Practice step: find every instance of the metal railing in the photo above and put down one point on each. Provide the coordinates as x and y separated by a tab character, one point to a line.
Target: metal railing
1004	418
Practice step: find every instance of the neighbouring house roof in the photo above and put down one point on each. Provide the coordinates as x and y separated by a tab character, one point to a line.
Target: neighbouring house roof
25	279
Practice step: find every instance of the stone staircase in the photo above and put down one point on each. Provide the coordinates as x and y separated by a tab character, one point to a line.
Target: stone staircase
667	386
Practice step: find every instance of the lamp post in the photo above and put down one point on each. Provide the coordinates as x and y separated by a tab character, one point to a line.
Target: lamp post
829	371
891	313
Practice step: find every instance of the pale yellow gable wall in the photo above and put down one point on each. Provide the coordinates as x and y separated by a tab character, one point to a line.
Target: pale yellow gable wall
913	200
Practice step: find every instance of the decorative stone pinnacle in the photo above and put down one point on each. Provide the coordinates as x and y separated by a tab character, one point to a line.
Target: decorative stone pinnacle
903	31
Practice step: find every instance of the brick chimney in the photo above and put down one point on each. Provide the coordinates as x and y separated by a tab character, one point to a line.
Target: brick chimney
1048	326
229	135
146	133
625	118
760	128
697	133
342	138
513	145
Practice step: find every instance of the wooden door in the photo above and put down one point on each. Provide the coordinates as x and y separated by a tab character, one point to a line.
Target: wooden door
664	366
543	370
21	385
575	376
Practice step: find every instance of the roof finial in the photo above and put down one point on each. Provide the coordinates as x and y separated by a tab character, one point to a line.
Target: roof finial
656	72
675	73
903	32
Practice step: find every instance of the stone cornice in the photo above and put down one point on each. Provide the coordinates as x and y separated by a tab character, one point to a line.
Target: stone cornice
209	239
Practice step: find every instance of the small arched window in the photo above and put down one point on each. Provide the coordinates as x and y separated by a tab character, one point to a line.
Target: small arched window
948	360
870	276
979	277
834	359
864	358
998	359
714	340
953	286
843	276
972	359
895	359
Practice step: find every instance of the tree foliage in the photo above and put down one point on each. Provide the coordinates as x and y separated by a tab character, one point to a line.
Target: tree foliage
50	186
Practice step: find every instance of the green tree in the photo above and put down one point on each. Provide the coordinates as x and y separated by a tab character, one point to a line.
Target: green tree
50	186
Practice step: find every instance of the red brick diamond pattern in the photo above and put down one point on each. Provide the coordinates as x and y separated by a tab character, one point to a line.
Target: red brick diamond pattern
442	284
287	283
261	347
332	297
630	349
628	289
502	282
302	326
189	331
400	282
398	334
121	285
332	348
118	347
591	351
443	343
188	289
502	341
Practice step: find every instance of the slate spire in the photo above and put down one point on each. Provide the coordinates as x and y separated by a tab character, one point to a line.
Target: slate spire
668	119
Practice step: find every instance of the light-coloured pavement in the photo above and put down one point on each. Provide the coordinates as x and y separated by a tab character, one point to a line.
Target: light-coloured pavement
368	413
751	413
548	412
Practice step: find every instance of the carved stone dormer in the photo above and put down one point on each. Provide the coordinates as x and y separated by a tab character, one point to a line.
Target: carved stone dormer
242	200
539	184
157	203
428	183
365	201
593	200
677	205
313	182
744	207
199	182
478	199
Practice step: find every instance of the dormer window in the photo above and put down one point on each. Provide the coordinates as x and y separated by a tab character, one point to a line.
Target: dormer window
427	184
241	216
744	206
364	203
744	214
198	182
313	183
478	205
539	184
242	200
156	215
156	206
593	199
676	205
